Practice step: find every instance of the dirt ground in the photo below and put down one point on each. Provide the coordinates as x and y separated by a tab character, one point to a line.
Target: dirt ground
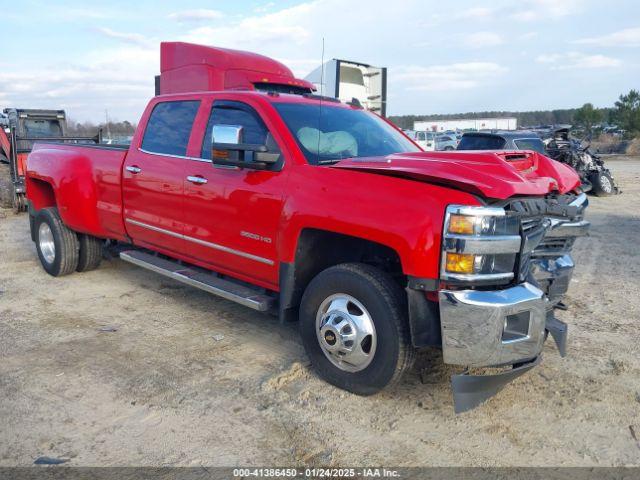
188	379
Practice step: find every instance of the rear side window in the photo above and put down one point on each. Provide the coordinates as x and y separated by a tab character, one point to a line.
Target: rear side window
169	127
534	144
233	113
481	142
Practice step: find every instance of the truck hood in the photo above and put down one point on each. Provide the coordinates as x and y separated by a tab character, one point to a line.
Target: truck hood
491	174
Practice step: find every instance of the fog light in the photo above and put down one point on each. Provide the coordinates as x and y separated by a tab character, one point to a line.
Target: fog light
516	327
461	224
460	262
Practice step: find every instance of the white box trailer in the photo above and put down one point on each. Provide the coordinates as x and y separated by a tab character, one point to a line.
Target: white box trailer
503	123
346	80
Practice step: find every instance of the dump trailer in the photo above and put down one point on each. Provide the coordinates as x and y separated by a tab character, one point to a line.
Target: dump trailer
20	128
347	80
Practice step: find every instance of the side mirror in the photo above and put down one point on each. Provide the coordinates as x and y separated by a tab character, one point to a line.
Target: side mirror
228	148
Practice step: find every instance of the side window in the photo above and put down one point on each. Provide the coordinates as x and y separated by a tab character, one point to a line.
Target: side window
253	129
422	136
169	127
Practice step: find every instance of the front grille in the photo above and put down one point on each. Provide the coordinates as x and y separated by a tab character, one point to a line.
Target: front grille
553	247
539	253
529	223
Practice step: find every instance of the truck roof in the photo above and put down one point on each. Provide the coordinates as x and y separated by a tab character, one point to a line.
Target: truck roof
272	97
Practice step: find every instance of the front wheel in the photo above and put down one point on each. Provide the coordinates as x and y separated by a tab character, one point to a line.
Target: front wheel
354	328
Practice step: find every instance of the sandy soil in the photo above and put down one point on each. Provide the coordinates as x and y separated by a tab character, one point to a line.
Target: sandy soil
161	390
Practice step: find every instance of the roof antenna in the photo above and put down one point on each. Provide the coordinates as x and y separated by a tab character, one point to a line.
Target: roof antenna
321	94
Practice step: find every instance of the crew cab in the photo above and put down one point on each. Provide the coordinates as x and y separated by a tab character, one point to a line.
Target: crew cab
325	213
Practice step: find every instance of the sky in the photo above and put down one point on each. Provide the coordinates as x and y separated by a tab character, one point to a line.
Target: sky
442	57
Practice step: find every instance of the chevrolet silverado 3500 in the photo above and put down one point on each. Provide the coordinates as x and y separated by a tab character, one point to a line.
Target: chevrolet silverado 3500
327	214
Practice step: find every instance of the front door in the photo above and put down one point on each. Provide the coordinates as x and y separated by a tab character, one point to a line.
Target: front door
232	215
153	178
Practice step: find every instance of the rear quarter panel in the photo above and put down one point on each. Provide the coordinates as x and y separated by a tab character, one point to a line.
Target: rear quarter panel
86	182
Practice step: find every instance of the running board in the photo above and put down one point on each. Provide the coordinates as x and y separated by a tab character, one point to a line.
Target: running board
226	289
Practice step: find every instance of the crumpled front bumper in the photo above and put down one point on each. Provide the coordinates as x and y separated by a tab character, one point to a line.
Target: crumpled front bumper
494	328
483	328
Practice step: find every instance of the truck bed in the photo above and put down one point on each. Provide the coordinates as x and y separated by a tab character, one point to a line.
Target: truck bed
89	201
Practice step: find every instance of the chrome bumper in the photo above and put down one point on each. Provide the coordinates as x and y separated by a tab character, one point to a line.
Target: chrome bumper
492	328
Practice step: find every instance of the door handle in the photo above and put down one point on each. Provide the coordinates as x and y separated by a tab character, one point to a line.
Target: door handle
133	169
198	180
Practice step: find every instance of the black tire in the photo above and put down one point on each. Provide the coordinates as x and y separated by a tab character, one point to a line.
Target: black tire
32	226
448	149
65	240
385	302
90	254
603	185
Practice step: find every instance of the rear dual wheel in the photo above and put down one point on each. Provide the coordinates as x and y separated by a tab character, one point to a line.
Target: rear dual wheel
354	328
90	254
61	251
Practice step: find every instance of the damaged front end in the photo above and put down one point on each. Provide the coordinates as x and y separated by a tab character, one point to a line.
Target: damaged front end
505	269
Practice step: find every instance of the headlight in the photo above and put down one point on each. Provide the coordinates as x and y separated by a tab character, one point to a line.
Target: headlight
480	244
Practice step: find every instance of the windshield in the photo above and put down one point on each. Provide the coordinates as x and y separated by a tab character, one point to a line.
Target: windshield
341	133
534	144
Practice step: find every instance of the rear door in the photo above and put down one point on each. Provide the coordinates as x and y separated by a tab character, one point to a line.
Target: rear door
232	214
153	177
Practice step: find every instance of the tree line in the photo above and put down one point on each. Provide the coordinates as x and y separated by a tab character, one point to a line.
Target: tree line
625	114
86	129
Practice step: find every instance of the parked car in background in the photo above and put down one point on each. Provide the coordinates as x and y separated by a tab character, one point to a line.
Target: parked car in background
511	140
426	140
446	142
453	134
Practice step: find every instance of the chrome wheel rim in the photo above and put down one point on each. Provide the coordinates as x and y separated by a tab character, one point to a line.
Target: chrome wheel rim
346	332
605	183
46	243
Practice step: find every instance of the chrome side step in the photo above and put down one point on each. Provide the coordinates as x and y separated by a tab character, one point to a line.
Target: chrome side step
226	289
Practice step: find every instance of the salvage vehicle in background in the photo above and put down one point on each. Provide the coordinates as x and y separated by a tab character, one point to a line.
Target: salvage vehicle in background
558	145
594	174
282	203
19	129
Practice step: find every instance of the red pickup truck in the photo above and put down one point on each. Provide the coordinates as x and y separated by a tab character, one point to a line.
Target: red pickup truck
327	214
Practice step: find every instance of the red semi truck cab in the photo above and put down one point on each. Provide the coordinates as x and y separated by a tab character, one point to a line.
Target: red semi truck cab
327	214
